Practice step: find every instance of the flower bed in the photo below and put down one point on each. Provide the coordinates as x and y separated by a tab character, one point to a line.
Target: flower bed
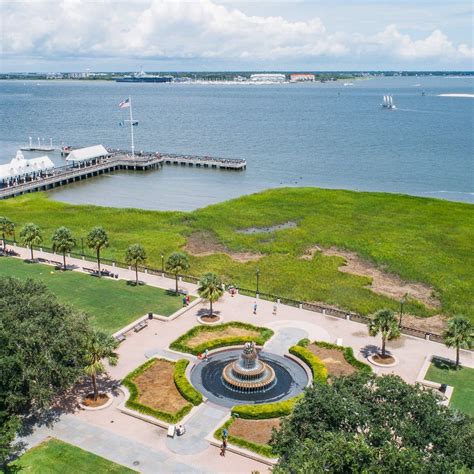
248	333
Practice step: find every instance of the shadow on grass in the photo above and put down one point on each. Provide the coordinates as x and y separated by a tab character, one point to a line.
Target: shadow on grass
443	364
134	283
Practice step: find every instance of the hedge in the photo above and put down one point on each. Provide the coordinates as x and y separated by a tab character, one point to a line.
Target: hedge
266	410
182	384
318	369
348	355
180	344
262	449
133	404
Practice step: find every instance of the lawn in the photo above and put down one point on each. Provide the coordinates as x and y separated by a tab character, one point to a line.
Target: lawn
54	456
421	240
111	304
462	380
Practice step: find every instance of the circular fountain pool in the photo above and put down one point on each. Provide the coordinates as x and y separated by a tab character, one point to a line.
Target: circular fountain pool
225	381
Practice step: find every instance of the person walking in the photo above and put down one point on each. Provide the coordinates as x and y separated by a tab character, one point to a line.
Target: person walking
206	354
255	308
223	447
275	307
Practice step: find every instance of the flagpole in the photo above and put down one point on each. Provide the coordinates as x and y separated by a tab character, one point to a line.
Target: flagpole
131	127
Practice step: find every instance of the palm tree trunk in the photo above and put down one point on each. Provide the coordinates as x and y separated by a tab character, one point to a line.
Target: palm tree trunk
64	260
457	356
210	301
136	274
98	261
31	248
383	346
4	243
176	276
94	384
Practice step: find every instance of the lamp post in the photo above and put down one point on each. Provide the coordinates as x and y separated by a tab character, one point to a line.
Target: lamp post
402	302
257	273
162	263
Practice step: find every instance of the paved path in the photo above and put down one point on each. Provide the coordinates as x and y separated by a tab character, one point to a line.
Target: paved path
284	339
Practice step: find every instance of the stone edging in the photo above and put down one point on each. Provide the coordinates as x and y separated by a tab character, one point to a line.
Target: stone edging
204	323
101	407
302	364
386	366
434	385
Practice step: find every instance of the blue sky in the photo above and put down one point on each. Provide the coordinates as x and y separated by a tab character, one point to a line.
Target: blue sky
75	35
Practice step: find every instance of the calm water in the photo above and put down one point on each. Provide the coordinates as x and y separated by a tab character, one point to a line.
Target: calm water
323	135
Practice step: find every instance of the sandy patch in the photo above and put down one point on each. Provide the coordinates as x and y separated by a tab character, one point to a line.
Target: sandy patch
89	401
203	244
157	389
334	360
257	431
383	283
206	336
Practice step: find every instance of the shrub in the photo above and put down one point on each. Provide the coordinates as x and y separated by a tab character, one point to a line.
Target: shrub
262	449
348	355
183	385
318	369
266	410
133	403
180	344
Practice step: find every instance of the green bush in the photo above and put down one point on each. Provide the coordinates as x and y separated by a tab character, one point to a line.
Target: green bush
318	369
133	403
348	355
266	410
303	343
262	449
180	344
183	385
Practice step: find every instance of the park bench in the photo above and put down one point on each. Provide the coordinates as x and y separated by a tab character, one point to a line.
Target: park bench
141	325
120	338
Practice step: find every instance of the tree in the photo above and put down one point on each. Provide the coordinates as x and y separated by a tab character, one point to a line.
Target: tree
135	256
99	345
459	334
63	242
385	323
42	352
8	228
31	235
366	423
177	262
96	240
210	288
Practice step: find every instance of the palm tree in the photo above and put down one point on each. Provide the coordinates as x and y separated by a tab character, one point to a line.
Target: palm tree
384	322
96	239
210	288
135	256
99	346
31	235
177	262
63	241
459	334
8	228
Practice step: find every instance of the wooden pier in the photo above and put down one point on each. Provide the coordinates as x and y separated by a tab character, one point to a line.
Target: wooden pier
117	160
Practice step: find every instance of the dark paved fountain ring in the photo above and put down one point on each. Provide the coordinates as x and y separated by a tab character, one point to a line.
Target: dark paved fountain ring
235	377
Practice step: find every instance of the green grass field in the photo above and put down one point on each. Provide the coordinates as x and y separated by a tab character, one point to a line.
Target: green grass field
111	304
421	240
462	380
55	457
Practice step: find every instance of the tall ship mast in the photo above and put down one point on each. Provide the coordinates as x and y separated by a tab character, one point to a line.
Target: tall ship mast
387	102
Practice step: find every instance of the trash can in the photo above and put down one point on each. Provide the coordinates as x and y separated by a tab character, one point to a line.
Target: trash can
150	315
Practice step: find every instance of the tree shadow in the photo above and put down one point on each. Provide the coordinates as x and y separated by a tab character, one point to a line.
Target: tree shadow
134	283
371	349
444	364
206	312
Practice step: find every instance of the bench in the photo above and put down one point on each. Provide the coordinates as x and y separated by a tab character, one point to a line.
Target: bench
140	326
120	338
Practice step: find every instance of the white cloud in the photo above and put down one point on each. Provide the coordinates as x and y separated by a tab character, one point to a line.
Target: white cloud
154	29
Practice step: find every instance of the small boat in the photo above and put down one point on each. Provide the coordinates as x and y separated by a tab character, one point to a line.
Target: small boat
348	84
388	102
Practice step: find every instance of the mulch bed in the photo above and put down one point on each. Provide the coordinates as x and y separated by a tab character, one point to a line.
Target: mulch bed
257	431
383	360
89	401
210	319
334	360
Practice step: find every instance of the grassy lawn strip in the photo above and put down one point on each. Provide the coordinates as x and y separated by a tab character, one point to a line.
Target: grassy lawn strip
419	239
318	369
153	390
462	380
266	410
183	385
200	338
56	457
111	304
262	449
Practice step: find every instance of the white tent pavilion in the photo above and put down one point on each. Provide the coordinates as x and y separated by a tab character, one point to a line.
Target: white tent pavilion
20	167
88	154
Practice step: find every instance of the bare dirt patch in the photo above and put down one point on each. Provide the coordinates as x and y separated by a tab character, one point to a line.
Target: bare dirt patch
206	336
435	324
333	359
257	431
157	390
89	401
387	360
383	283
203	244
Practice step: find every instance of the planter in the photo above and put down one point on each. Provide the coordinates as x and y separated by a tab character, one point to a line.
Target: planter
106	403
209	320
389	361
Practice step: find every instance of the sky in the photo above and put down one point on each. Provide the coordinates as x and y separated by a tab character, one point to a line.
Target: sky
218	35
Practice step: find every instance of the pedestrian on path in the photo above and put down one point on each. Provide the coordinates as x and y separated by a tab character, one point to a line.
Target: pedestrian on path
184	301
206	354
255	308
275	307
223	447
188	300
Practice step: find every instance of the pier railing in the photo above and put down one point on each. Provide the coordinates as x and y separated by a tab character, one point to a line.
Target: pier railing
317	308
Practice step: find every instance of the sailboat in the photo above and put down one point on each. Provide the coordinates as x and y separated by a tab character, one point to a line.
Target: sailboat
388	102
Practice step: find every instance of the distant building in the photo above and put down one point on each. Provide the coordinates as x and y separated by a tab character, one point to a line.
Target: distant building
268	77
302	77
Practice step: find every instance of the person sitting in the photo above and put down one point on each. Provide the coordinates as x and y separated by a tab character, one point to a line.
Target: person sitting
180	430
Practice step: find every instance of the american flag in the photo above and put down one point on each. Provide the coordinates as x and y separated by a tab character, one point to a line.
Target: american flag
124	104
